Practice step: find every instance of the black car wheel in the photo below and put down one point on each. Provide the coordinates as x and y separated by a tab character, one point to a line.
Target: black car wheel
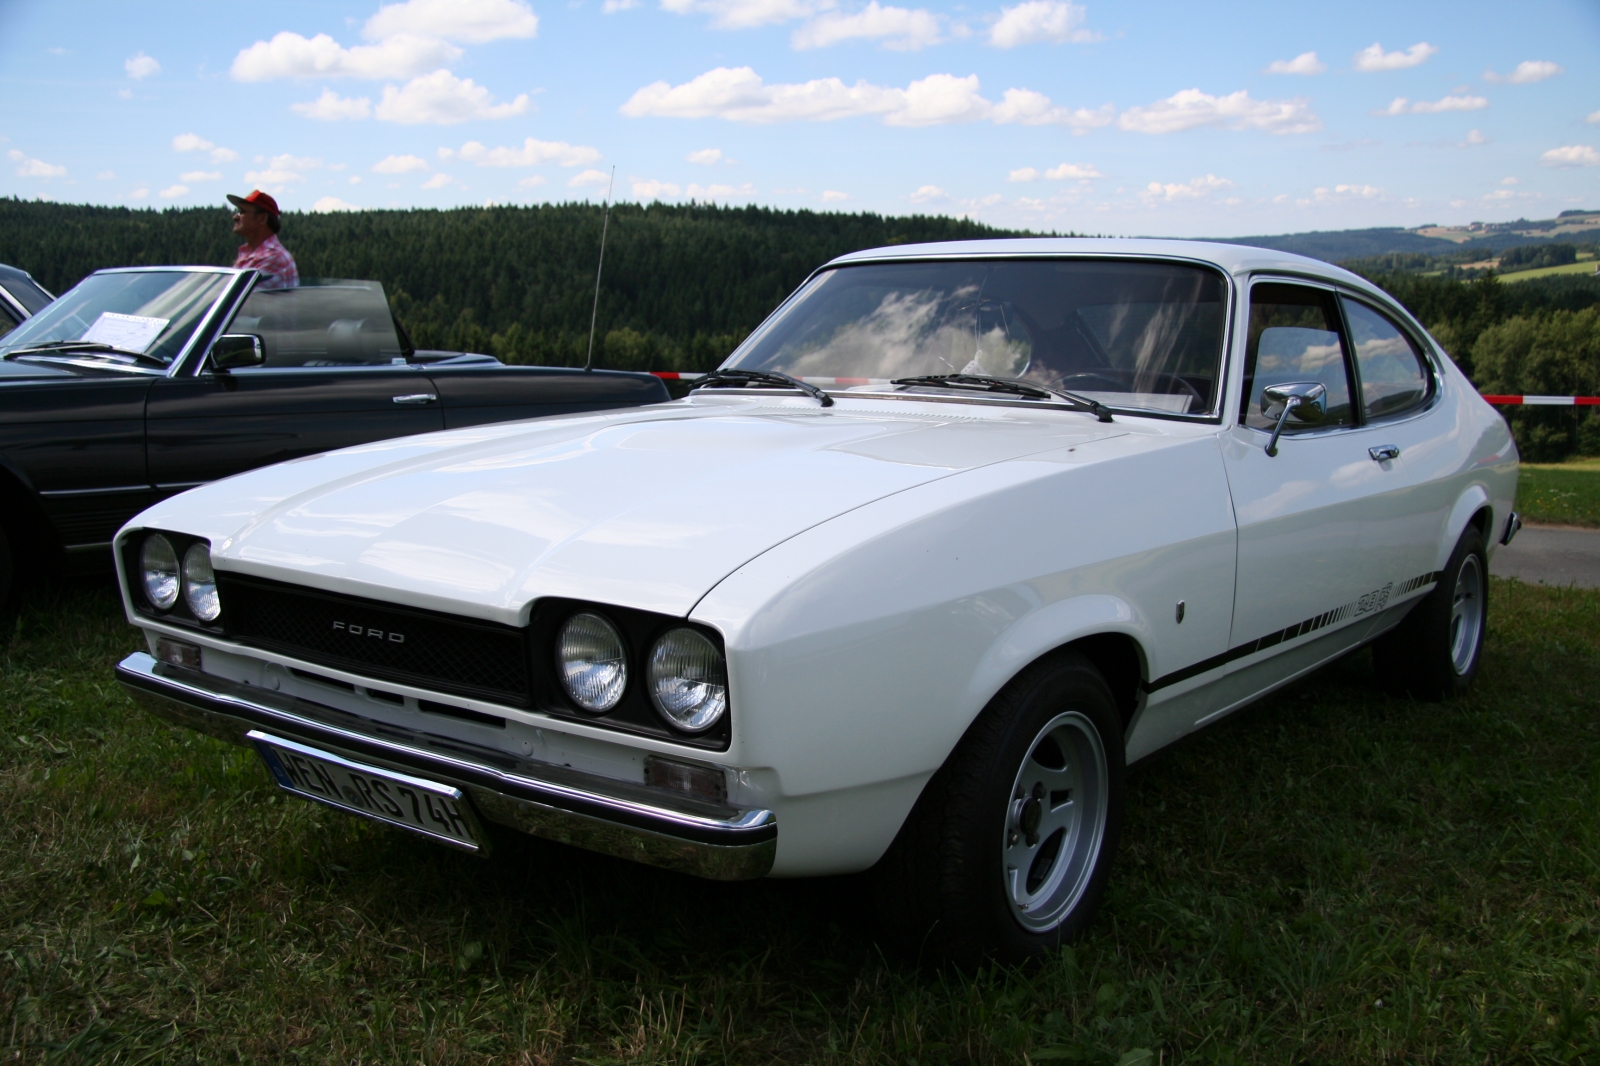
1007	852
1433	653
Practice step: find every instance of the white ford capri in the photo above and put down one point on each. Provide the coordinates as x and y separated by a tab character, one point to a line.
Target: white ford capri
956	535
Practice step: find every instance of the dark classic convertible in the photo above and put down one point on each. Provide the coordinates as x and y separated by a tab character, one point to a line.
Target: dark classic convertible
20	298
142	382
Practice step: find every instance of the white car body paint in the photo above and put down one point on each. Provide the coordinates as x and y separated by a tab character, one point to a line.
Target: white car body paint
880	569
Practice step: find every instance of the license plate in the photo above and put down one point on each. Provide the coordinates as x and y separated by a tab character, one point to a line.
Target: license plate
434	810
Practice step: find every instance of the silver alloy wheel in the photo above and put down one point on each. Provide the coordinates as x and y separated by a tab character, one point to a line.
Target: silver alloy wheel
1055	822
1466	614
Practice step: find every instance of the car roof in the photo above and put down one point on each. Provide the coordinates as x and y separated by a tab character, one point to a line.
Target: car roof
1233	258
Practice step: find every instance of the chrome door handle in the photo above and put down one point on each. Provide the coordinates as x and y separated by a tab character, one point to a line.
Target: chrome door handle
1384	452
416	397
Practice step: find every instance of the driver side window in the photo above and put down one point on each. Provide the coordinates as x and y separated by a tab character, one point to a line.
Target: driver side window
1295	335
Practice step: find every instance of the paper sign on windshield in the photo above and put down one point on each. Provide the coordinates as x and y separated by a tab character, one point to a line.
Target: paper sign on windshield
131	333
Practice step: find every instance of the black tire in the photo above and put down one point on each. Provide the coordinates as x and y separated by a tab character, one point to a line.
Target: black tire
1434	653
948	889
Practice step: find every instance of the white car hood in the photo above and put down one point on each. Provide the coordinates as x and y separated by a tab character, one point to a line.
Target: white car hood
645	508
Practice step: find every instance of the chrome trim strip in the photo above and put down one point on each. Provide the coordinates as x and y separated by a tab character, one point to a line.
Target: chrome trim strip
619	818
67	493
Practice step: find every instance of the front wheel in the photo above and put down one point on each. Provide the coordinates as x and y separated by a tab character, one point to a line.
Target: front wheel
1433	653
1007	852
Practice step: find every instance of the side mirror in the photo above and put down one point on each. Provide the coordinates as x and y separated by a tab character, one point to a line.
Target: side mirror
232	351
1306	400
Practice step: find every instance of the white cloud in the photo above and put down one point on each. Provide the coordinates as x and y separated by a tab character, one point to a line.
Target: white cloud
1572	155
1510	181
612	6
1028	108
1374	58
1191	108
126	94
438	181
705	157
141	66
28	167
355	179
1527	72
1593	118
744	14
1073	172
331	107
106	175
929	194
900	29
189	142
332	203
200	175
399	164
272	176
654	190
469	21
1023	174
531	181
531	154
720	192
738	94
139	193
1193	189
588	177
1304	63
1401	106
172	191
1474	138
1346	192
834	196
289	55
1038	21
441	98
294	162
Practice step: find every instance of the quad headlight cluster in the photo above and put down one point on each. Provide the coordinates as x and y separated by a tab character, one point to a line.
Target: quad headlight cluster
686	675
163	578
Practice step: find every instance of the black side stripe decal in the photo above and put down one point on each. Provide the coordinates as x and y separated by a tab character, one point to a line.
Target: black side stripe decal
1372	601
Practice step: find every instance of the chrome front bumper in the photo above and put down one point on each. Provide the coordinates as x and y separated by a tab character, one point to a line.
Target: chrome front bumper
631	821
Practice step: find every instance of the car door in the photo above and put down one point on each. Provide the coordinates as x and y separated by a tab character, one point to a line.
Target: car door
474	394
1309	579
333	377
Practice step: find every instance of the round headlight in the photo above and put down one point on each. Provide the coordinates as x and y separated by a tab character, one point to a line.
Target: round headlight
591	661
158	570
688	680
200	583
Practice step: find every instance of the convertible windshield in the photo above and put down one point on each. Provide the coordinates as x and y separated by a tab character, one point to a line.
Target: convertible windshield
1133	335
142	315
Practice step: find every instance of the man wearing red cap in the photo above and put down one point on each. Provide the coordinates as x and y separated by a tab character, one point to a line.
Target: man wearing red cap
256	220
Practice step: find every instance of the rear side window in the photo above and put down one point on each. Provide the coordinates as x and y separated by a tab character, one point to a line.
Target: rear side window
1295	335
1393	376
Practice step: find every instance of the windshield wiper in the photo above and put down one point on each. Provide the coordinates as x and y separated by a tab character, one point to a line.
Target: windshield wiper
1017	388
86	346
738	378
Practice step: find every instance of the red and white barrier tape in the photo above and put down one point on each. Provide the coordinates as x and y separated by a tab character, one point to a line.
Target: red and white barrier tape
1539	401
1504	401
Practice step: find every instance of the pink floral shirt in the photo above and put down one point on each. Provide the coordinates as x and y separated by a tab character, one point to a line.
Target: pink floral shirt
273	260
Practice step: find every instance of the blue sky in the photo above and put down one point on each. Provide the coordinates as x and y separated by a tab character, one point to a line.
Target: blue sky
1122	118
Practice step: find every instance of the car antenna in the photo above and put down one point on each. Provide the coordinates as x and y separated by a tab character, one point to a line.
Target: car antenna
594	311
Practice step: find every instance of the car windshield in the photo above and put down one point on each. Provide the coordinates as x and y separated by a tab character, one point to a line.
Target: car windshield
1135	335
145	313
323	322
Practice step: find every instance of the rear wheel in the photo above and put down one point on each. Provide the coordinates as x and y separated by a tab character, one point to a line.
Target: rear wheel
1434	652
1006	854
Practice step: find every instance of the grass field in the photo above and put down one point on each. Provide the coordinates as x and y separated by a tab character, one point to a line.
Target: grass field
1332	876
1560	493
1582	266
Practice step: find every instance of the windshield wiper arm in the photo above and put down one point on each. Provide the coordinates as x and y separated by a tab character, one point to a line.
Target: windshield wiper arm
85	346
1011	385
737	378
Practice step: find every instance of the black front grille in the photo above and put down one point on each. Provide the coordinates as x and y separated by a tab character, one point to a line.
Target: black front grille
379	640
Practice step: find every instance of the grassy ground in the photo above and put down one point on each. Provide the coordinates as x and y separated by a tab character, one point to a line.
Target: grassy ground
1561	493
1582	266
1331	876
